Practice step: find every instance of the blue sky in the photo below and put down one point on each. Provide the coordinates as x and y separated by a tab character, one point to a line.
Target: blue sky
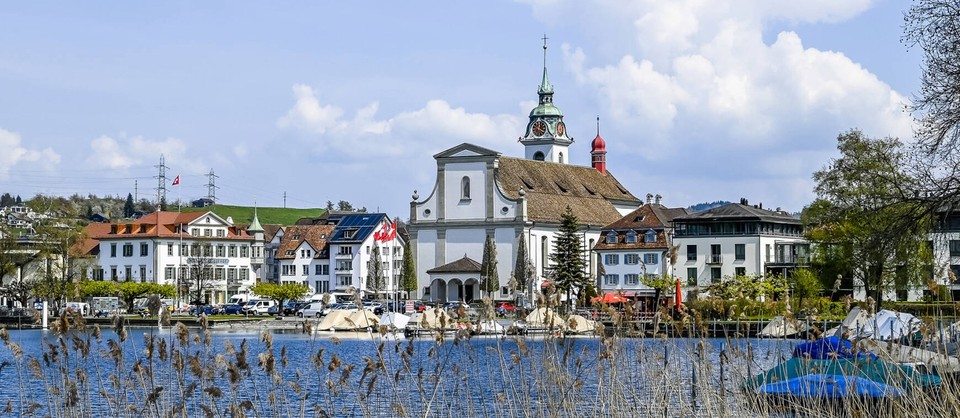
698	100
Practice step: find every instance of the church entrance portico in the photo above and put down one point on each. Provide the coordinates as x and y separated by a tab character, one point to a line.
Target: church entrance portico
454	290
471	290
456	281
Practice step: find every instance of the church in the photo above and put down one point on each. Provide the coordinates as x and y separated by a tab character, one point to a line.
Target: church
481	193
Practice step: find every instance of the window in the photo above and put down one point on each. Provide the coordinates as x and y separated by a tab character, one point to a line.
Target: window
386	251
306	270
650	236
169	274
611	259
195	232
218	274
143	273
691	253
232	251
631	237
244	251
244	274
504	291
715	256
740	271
538	156
465	188
650	258
348	234
631	259
426	291
322	286
611	237
345	250
290	252
318	270
692	276
128	250
113	273
954	247
344	280
286	268
169	249
344	265
715	275
128	273
231	274
221	251
611	279
560	160
184	250
113	250
207	232
740	251
220	233
631	279
208	251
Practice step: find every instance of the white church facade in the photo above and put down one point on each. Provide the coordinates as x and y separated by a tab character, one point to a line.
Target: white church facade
480	192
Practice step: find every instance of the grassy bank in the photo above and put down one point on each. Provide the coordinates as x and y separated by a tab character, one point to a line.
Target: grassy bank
244	214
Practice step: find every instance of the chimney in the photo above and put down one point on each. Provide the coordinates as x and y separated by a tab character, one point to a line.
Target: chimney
658	198
649	198
744	201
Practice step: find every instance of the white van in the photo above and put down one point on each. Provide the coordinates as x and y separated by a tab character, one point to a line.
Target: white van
257	307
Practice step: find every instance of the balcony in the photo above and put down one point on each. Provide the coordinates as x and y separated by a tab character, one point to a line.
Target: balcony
789	260
348	256
715	259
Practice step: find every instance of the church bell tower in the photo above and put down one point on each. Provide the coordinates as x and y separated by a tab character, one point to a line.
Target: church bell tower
546	136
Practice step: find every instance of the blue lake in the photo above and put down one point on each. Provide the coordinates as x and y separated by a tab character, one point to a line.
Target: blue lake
495	376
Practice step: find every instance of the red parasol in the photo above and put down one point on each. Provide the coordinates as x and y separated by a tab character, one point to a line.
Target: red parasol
610	297
679	295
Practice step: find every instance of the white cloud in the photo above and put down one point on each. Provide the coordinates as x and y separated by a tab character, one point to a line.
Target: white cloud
14	154
123	153
435	126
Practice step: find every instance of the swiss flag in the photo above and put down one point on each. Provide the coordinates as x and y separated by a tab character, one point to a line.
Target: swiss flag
386	232
176	180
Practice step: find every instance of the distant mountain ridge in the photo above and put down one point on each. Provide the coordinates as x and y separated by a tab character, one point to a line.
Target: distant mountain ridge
706	205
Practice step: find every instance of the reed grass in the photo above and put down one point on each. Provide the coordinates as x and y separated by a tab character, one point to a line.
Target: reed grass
82	371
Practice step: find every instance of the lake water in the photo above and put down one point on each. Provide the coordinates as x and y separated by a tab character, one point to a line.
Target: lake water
361	374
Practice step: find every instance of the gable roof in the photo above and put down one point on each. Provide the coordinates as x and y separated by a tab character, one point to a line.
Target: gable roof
648	216
362	225
551	187
739	212
315	236
463	265
154	225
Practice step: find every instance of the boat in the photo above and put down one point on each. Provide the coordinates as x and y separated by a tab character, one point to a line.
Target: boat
782	327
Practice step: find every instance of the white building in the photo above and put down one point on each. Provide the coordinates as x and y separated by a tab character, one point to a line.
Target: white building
480	193
333	253
166	247
635	246
738	240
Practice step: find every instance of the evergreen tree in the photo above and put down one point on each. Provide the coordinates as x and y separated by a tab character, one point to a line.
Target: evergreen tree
128	208
408	275
19	200
489	279
163	203
6	200
375	279
568	270
522	274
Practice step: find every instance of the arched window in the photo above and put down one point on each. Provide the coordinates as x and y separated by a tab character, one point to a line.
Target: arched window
561	158
611	237
650	236
538	156
465	188
631	237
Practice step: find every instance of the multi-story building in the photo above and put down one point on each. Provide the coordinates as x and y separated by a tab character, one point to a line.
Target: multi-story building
177	249
480	193
333	253
636	246
737	239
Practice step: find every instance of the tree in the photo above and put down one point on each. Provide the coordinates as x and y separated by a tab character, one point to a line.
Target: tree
934	27
408	274
344	206
659	283
58	245
489	278
522	271
7	200
329	206
280	292
200	278
15	258
805	286
568	271
130	291
860	209
375	278
94	288
128	207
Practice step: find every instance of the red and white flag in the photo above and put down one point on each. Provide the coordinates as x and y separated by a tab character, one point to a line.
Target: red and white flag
387	232
176	180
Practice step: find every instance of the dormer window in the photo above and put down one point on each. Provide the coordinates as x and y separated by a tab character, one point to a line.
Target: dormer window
348	234
631	237
611	237
296	237
465	188
650	236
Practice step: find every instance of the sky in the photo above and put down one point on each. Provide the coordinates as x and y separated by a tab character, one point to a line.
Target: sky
299	103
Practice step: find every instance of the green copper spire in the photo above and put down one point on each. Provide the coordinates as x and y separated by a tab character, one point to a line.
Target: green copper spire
545	86
255	225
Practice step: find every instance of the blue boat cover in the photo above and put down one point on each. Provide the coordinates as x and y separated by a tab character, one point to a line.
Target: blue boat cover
828	348
830	386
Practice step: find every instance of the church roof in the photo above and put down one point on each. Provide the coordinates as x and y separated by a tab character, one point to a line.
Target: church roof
463	265
550	188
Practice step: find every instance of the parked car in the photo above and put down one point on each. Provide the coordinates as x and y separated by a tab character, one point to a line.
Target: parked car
375	307
312	310
273	310
349	306
291	308
205	309
505	307
257	307
232	309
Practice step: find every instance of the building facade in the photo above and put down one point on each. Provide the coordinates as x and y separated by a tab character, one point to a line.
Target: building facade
738	240
479	193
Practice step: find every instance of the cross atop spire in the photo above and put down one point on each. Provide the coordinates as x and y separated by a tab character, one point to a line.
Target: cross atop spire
598	125
545	87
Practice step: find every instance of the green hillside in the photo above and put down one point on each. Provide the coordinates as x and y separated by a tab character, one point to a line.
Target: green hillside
244	214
